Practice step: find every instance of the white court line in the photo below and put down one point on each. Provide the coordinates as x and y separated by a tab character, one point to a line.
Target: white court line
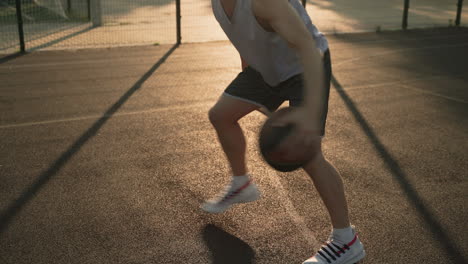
405	84
287	204
154	110
436	94
168	108
397	40
87	62
400	82
397	51
147	60
298	220
188	106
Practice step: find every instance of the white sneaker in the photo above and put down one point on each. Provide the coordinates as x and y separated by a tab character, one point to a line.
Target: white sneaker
248	192
334	252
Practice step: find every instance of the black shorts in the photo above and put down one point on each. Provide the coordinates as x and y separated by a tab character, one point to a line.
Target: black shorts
249	86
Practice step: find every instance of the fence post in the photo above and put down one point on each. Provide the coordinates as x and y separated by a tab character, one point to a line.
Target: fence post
69	7
304	2
19	17
95	12
178	22
459	12
88	6
405	14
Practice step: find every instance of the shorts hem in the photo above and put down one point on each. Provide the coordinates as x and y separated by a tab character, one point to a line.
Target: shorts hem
263	109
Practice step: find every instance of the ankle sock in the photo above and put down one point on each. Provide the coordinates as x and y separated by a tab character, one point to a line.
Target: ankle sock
344	235
238	181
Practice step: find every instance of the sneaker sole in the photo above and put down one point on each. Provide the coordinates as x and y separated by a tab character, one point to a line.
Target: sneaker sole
357	258
252	198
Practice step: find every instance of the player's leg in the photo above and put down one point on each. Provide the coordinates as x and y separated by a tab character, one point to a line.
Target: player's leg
344	246
326	178
224	117
246	93
329	185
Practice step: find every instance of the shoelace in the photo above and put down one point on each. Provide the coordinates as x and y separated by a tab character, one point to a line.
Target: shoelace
332	250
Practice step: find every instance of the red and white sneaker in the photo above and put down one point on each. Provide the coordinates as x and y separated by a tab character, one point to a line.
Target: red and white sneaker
247	192
334	252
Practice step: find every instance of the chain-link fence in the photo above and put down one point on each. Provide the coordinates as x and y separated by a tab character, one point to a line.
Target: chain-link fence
75	24
9	40
62	24
338	16
198	22
42	22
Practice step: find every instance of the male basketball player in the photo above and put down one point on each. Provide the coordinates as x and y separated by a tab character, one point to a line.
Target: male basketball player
284	57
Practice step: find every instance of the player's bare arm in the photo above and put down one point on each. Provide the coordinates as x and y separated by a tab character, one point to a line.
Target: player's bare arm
284	20
243	63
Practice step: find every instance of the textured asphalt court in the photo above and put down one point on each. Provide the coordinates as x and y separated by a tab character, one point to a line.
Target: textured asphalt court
106	155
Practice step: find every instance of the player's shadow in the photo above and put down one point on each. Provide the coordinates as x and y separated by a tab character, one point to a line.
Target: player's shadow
226	248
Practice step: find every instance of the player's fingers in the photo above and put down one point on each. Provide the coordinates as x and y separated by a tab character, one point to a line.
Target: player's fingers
281	121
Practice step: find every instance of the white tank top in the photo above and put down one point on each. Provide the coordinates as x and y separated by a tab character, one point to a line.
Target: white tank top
264	51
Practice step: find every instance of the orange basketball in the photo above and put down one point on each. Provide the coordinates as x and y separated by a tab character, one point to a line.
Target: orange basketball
272	136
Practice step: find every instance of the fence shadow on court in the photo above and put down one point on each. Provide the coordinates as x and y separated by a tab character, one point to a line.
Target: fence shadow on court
226	248
30	192
415	44
11	57
392	164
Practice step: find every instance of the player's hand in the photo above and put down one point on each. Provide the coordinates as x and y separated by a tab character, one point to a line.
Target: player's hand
306	133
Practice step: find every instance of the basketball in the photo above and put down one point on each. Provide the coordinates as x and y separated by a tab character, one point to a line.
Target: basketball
272	136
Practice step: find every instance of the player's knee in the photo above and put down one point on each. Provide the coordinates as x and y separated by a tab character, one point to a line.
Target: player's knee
316	156
216	116
316	152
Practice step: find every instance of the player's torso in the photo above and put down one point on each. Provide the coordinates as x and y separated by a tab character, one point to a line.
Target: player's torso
230	5
262	49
